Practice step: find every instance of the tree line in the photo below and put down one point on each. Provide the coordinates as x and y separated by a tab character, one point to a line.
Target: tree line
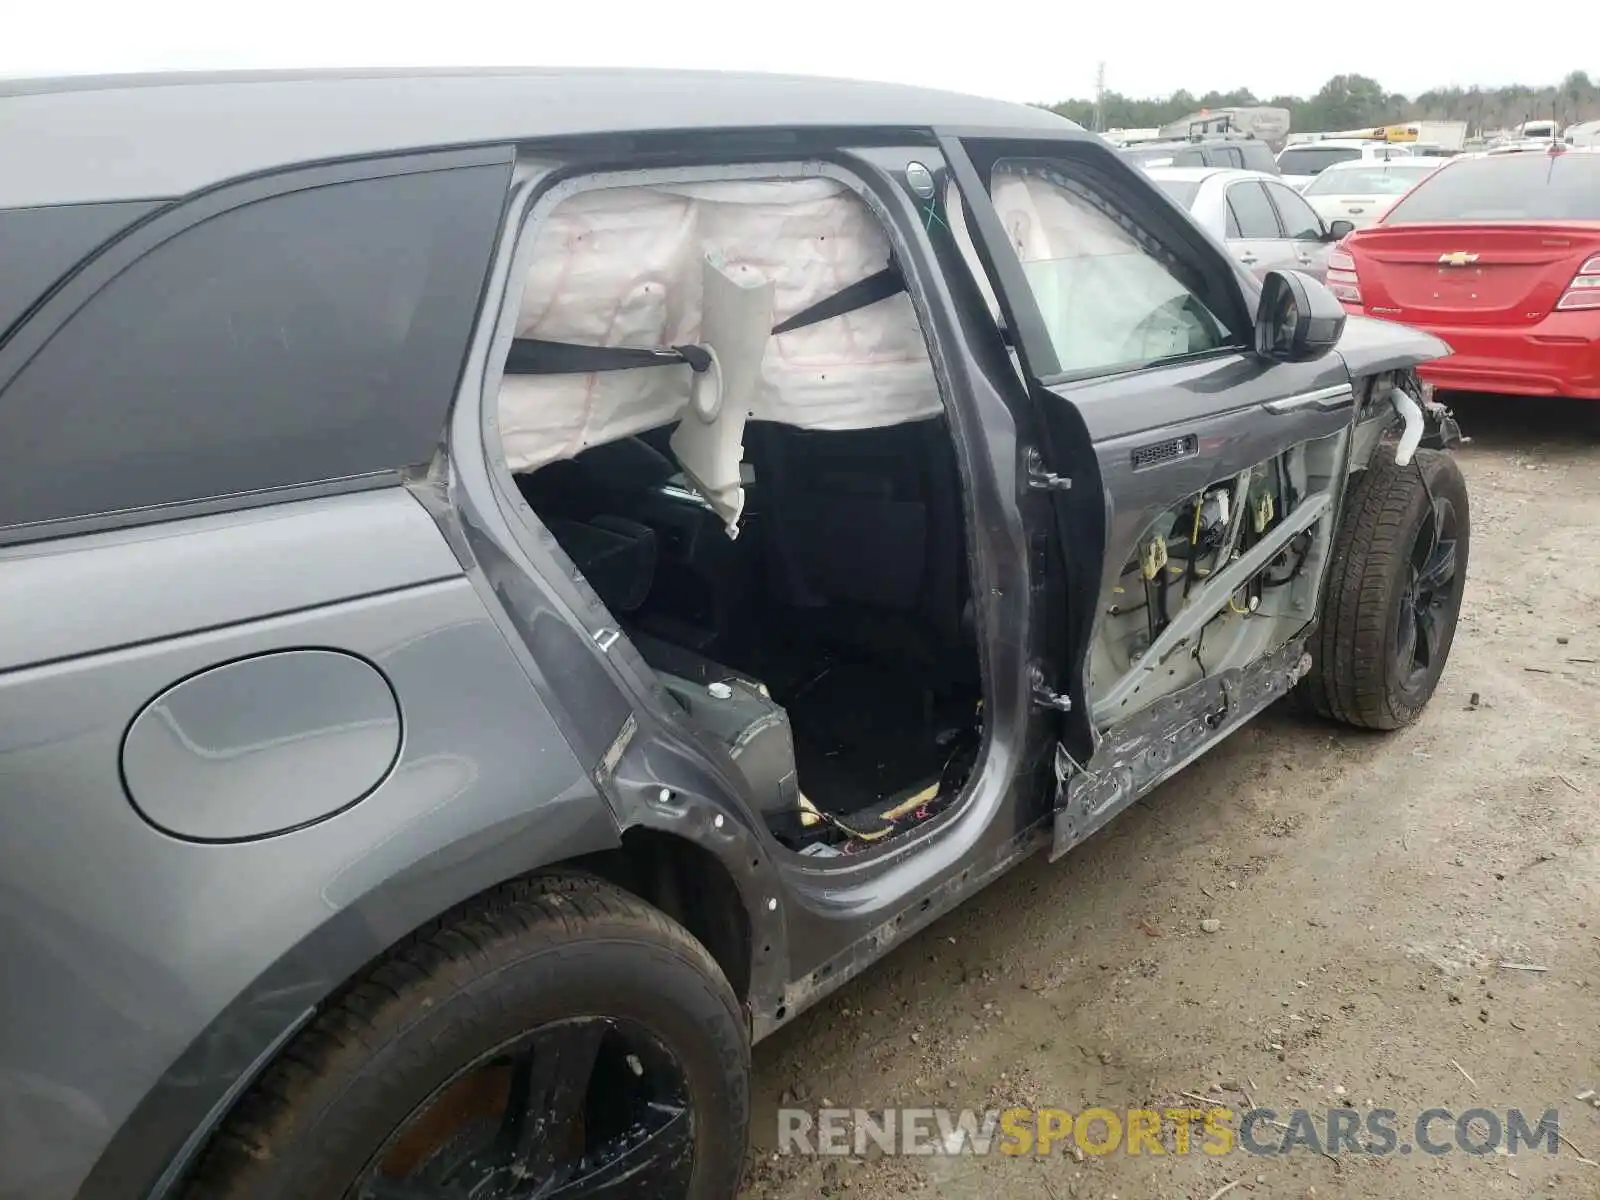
1350	101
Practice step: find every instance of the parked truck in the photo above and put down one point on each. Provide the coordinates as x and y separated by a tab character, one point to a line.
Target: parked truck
1446	135
1268	124
1443	135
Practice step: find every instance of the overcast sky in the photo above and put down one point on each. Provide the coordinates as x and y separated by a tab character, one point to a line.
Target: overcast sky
1017	50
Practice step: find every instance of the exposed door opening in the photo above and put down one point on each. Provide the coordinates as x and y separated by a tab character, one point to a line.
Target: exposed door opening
775	519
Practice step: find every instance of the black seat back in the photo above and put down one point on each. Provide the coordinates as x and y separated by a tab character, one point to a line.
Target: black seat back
870	517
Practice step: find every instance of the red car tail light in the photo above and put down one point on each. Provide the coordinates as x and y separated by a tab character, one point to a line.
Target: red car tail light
1342	281
1583	291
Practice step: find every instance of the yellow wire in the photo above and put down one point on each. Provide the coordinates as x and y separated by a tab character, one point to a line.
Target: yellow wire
1194	542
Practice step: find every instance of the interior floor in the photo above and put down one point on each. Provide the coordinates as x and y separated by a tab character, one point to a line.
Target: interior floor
865	734
830	646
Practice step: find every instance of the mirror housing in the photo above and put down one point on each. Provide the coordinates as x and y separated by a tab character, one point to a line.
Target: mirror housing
1339	230
1299	319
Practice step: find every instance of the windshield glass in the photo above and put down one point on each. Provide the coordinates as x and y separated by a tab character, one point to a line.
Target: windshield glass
1182	191
1313	160
1511	187
1378	179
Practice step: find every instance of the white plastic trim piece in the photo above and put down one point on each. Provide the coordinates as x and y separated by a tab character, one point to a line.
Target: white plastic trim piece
1411	413
709	439
705	389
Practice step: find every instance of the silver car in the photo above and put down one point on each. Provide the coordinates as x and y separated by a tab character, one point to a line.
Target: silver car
1265	224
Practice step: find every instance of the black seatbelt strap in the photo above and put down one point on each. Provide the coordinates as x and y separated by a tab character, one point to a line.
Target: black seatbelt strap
861	294
531	356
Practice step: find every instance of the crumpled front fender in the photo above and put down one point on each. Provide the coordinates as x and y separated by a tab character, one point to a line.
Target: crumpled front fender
1370	346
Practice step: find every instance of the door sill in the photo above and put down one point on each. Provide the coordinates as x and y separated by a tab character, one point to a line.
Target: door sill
1163	739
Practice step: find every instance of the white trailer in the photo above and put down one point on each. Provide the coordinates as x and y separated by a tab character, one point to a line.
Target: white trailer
1447	135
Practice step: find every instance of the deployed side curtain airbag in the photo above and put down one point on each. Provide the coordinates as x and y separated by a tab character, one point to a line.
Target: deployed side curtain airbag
530	356
616	285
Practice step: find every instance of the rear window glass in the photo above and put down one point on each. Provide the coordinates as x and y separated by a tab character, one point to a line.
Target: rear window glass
1182	191
37	245
1313	160
1511	187
310	335
1258	158
1252	212
1379	179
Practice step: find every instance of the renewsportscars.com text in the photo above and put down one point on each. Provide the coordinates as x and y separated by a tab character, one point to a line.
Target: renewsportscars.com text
1152	1131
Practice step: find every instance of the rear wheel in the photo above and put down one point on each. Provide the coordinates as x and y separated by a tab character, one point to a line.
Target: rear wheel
1393	593
559	1039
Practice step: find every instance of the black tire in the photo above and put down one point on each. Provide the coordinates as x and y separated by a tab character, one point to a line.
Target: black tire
1357	675
526	955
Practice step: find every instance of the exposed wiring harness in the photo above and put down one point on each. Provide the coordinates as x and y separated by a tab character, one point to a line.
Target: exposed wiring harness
1303	541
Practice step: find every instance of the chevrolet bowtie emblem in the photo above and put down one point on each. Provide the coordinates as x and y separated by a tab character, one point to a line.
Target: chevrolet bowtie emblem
1459	258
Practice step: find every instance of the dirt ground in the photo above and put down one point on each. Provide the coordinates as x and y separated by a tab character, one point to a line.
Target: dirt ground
1367	888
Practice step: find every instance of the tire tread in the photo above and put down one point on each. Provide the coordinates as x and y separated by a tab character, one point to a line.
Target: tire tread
549	910
1350	678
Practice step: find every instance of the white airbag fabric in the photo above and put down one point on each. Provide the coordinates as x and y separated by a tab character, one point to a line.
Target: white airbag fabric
1104	300
622	267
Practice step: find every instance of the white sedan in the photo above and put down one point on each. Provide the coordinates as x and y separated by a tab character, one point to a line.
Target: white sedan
1265	224
1304	161
1362	191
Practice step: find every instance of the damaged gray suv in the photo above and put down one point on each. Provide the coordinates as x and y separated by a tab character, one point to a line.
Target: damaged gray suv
516	584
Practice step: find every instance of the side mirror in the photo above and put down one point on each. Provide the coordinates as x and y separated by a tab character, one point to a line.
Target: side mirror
1339	230
1299	319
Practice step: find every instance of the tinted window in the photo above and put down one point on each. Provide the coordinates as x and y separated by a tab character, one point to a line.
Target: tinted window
1369	179
1252	211
307	336
1258	158
1190	158
1297	217
1228	156
1112	298
1510	187
1312	160
1182	191
38	245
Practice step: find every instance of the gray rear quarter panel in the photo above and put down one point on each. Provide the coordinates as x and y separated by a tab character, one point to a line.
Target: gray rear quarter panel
145	973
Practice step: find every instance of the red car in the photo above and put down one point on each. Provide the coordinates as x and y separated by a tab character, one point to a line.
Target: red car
1499	256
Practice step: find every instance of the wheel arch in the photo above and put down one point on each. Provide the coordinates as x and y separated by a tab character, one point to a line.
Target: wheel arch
163	1138
691	885
150	1152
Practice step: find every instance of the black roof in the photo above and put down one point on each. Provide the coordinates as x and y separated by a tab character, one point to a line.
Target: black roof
75	139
